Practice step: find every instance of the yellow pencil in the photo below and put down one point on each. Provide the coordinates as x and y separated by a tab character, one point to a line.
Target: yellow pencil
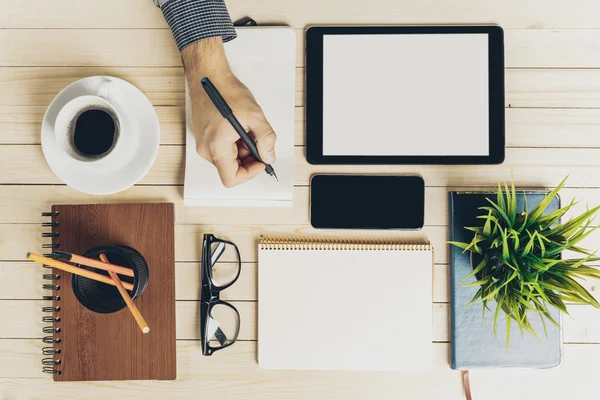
74	270
134	310
90	262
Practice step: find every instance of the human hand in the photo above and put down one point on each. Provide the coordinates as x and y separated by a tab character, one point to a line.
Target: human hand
216	140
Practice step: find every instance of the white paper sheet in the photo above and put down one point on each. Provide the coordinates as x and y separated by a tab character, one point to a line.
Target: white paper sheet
264	59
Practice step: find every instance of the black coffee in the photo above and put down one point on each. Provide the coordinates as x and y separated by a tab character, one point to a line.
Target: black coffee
94	132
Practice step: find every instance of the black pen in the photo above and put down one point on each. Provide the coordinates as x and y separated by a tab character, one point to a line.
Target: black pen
226	112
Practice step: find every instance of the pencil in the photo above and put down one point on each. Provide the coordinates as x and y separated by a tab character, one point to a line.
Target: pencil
74	270
90	262
134	310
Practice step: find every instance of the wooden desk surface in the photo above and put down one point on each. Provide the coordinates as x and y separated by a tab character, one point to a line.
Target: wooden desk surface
553	129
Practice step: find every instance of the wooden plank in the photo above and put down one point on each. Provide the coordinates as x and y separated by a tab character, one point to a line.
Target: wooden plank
18	239
89	47
553	88
575	379
235	365
21	161
446	387
525	127
188	285
22	360
582	327
25	164
533	167
524	48
238	362
37	86
73	14
22	238
23	124
27	280
25	204
187	281
234	373
26	317
532	14
563	48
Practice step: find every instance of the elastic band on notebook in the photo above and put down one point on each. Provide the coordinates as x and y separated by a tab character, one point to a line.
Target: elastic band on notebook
466	385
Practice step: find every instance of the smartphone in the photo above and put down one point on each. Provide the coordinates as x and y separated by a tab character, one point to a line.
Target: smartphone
367	202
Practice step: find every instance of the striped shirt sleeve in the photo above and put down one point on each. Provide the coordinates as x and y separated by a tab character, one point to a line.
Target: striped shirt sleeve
194	20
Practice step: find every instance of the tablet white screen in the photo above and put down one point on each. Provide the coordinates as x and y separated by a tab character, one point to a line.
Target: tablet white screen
406	95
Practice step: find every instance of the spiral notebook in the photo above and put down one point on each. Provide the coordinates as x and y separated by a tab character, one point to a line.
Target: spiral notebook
82	345
344	306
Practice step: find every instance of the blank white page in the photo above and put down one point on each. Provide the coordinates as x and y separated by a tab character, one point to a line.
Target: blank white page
264	59
406	95
345	309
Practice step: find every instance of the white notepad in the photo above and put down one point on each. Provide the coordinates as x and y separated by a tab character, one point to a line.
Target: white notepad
327	306
264	59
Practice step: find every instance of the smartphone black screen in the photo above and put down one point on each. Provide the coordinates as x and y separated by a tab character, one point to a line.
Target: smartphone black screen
367	202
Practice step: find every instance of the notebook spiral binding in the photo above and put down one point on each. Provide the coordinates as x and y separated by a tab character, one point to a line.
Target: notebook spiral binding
283	243
50	364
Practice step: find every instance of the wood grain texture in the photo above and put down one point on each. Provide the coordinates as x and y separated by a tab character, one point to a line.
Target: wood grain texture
98	346
25	164
37	86
552	95
24	204
237	363
187	282
524	48
28	279
582	327
22	238
236	373
525	127
574	379
164	86
534	14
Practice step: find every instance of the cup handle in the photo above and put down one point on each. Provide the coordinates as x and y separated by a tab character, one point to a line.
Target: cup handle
104	89
108	88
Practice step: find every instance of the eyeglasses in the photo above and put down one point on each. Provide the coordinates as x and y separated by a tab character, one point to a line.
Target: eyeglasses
219	320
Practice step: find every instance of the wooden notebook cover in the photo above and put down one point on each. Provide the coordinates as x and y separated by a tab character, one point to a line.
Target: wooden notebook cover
97	346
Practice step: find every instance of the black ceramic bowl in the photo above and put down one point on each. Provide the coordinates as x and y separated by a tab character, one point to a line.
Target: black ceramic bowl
102	298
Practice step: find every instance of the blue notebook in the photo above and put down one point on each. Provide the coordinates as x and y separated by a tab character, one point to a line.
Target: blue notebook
474	344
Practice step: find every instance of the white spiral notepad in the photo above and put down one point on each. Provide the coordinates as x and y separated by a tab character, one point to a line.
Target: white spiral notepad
344	306
264	59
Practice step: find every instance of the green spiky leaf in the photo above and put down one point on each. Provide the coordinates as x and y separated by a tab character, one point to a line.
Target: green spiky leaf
519	264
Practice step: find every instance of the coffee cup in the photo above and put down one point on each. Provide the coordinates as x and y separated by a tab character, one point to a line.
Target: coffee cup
92	131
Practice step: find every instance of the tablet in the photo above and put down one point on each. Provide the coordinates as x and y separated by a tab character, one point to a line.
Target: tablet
405	95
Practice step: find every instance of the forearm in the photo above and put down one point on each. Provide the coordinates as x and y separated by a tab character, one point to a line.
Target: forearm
195	20
205	58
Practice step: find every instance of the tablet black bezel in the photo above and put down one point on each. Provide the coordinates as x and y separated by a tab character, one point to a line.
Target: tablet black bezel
314	94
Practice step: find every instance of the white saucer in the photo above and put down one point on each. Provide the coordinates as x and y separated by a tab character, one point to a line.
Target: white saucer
91	179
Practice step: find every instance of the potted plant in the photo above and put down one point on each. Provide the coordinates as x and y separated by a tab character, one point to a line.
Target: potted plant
516	261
